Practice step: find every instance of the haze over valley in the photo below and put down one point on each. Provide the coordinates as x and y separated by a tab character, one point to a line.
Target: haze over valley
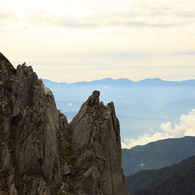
148	110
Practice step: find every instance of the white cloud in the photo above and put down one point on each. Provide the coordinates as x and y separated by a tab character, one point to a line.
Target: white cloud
122	33
167	127
103	14
186	127
144	139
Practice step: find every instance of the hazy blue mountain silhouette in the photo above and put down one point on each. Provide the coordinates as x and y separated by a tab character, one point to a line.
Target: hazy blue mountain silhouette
140	106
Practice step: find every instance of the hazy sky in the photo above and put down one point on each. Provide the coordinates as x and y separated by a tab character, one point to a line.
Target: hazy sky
76	40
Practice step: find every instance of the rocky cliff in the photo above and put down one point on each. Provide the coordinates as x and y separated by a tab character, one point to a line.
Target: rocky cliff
41	154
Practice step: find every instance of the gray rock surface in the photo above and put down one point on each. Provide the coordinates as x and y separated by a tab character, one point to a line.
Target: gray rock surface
36	120
44	155
95	141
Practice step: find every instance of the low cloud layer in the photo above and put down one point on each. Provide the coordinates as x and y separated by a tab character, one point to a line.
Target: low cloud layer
186	127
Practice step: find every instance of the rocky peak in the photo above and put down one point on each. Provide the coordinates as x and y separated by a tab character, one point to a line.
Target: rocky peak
96	146
42	154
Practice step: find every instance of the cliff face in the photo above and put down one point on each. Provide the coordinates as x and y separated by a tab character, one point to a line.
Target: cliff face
95	141
42	154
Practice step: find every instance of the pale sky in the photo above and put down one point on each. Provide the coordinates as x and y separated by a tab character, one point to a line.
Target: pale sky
84	40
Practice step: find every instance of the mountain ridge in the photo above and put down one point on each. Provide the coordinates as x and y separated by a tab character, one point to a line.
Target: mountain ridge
128	81
174	179
158	154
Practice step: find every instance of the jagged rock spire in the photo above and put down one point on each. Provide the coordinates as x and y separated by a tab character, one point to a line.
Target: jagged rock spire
42	154
95	142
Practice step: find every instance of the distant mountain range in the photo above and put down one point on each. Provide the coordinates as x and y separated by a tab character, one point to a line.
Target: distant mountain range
125	81
178	179
157	154
140	105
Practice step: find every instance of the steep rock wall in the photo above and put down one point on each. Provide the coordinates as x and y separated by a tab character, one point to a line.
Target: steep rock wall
42	154
95	141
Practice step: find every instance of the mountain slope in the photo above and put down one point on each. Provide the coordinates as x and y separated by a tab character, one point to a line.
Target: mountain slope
176	179
157	154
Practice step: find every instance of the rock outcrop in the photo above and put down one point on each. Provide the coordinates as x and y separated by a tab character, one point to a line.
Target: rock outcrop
42	154
95	142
